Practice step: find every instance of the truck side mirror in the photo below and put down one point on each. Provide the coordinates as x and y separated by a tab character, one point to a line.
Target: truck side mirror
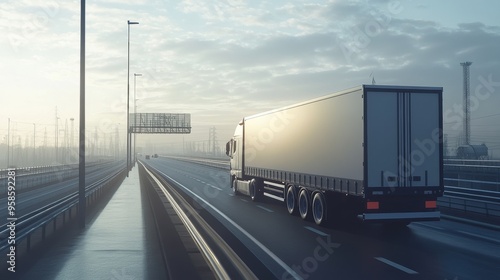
228	148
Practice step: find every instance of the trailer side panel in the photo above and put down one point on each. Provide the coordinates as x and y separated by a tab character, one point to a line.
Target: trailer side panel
317	144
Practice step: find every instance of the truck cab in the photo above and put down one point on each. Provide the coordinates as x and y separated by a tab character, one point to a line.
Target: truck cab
234	150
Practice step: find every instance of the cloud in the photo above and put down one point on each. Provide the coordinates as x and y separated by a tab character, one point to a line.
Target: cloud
222	60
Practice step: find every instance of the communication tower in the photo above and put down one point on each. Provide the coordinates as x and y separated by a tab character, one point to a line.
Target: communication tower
466	102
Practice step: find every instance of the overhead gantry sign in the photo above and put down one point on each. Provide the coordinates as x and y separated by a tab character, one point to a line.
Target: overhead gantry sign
160	123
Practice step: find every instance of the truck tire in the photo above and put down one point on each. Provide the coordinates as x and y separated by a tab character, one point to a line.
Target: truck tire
303	203
318	208
291	200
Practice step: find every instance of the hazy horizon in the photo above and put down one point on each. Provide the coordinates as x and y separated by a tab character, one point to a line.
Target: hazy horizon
223	60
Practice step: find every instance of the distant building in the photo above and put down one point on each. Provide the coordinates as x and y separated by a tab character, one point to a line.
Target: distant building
472	152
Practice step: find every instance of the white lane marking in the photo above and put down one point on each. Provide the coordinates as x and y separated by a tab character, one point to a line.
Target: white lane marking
238	227
264	208
429	226
203	182
212	186
242	199
316	231
479	236
395	265
230	194
193	231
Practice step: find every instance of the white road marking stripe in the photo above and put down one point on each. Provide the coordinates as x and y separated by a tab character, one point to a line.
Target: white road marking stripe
242	199
479	236
238	227
264	208
193	231
316	231
212	186
429	226
395	265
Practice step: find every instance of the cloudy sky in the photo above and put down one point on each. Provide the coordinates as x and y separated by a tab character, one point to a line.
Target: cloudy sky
223	60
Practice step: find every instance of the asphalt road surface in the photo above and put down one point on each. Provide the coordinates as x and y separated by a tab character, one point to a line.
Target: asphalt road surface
292	248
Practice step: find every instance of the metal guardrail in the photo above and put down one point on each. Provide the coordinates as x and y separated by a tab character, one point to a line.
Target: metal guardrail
28	223
471	201
47	168
488	196
468	162
201	232
224	164
35	177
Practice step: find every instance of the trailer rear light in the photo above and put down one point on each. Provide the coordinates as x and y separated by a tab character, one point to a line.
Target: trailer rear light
372	205
430	204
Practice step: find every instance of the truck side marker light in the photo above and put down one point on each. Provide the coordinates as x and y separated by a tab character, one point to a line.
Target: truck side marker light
430	204
371	205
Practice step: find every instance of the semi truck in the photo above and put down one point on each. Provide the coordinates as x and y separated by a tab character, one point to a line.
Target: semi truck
373	152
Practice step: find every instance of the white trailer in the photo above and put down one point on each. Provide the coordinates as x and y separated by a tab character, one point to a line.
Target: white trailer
372	151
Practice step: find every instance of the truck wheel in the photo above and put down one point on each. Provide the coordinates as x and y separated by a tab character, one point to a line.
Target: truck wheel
319	208
303	203
291	200
254	193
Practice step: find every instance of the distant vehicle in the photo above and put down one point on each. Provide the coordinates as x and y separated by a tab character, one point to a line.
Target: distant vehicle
373	151
155	155
147	156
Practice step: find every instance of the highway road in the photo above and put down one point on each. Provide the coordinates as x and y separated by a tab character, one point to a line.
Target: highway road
290	248
35	198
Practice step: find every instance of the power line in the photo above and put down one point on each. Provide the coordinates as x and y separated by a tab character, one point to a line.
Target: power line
497	114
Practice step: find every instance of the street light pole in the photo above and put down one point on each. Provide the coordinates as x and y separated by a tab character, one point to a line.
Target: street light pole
128	95
81	153
34	143
8	146
135	112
